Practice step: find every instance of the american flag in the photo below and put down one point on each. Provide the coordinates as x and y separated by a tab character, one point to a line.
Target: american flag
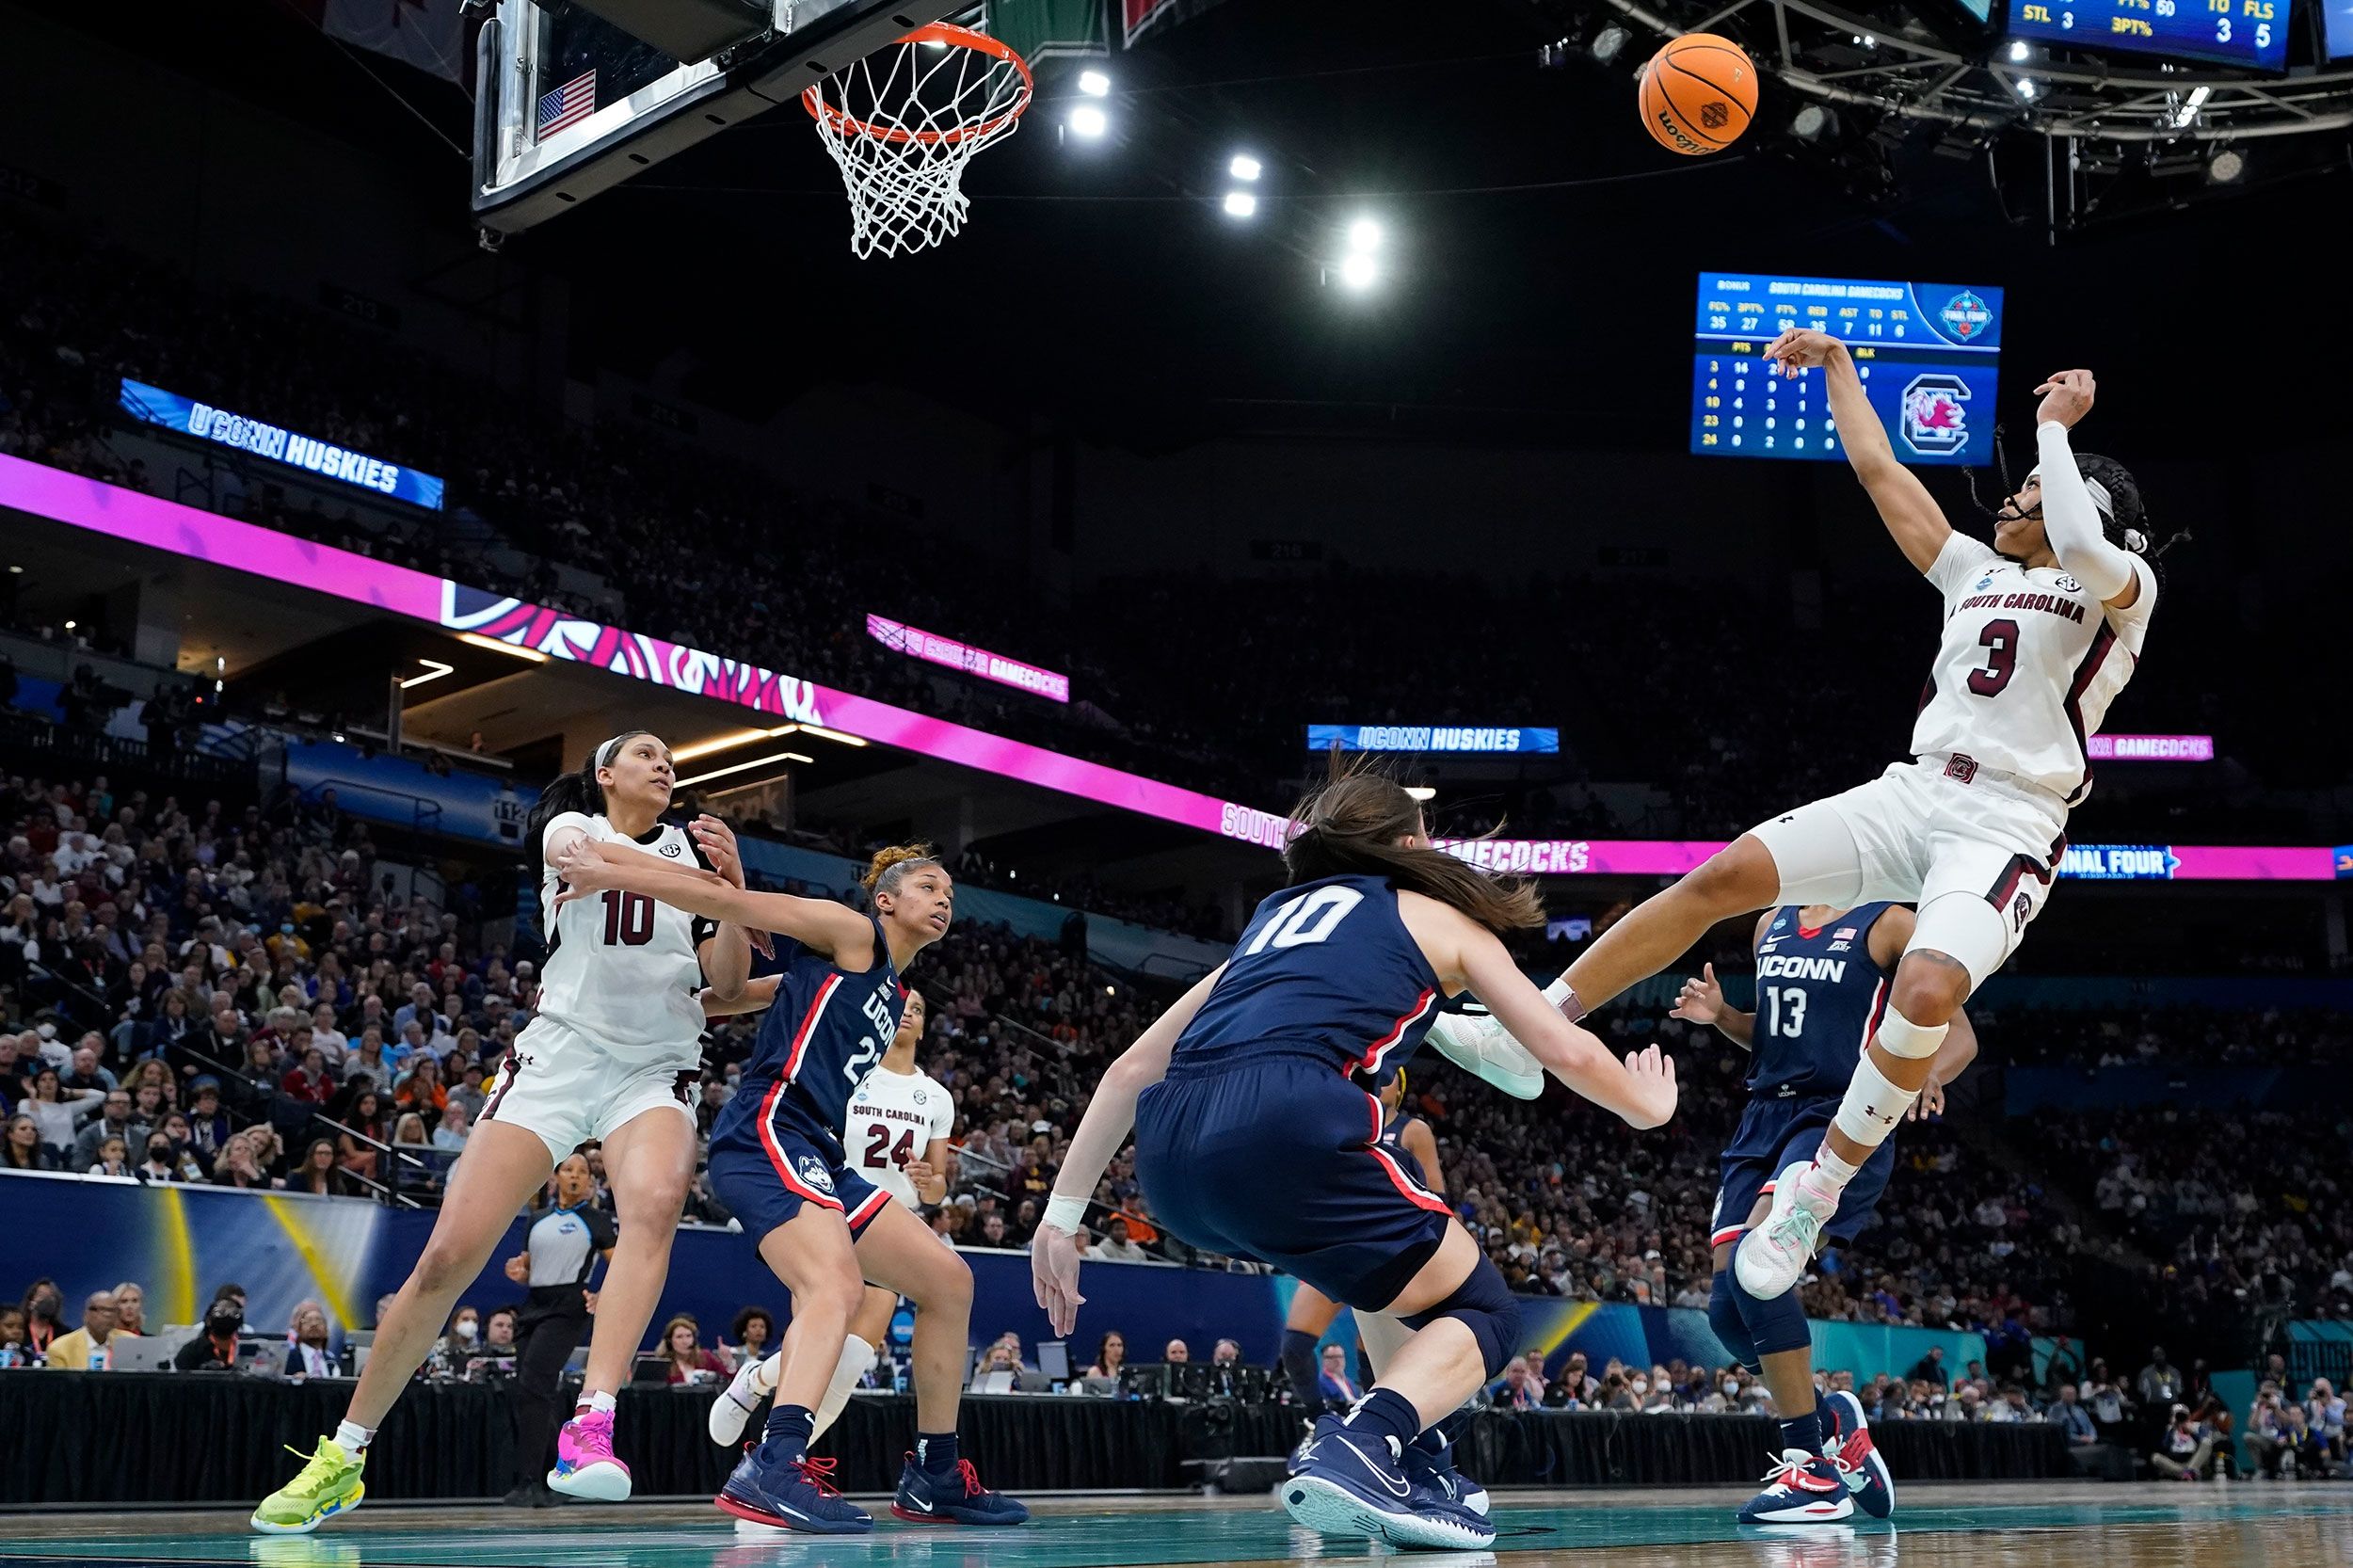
575	100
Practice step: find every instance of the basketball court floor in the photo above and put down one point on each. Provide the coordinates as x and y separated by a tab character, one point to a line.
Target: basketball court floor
1954	1525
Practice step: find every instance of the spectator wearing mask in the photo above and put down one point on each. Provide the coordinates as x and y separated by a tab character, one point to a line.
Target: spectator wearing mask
87	1348
43	1307
161	1167
215	1349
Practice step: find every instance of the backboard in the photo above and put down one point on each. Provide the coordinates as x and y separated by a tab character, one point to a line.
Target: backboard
570	105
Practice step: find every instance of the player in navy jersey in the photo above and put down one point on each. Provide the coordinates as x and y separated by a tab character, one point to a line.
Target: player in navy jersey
1254	1137
776	1160
1822	982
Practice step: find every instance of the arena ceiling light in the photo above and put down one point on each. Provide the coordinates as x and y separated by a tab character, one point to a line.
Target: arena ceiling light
2227	168
1244	166
1088	120
1608	43
2019	52
434	670
742	767
1363	236
727	741
1241	203
822	733
1095	83
1359	270
528	655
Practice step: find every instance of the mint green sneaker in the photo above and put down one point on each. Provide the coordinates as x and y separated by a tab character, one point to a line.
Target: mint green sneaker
327	1484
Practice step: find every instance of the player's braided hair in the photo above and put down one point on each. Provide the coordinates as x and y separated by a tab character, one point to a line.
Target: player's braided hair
1351	828
573	791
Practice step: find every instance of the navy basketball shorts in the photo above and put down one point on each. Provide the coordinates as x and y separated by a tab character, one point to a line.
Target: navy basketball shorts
1279	1160
1776	1133
767	1168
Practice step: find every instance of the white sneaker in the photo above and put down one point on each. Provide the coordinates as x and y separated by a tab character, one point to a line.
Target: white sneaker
1772	1256
754	1380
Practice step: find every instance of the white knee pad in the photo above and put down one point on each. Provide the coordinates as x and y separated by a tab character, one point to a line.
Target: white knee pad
1967	929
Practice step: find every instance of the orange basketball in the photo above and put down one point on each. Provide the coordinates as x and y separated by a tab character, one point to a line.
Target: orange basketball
1698	94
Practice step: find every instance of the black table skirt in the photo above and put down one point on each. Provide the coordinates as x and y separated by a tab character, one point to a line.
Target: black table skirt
69	1437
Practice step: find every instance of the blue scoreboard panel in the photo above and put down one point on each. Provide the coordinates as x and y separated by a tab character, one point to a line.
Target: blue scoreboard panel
2248	33
1927	354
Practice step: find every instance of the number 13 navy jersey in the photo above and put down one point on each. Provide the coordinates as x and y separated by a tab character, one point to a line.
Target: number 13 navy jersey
826	1030
1325	969
1819	999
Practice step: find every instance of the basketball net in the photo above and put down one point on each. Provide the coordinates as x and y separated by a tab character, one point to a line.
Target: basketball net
903	123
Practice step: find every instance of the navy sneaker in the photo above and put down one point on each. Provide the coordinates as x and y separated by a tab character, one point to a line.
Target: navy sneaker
1349	1483
793	1495
1429	1461
952	1497
1801	1489
1858	1458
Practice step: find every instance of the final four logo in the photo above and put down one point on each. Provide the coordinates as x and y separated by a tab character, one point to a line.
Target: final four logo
1967	316
1936	423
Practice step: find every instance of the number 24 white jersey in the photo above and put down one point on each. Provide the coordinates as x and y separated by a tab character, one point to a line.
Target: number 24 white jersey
2026	668
893	1118
622	969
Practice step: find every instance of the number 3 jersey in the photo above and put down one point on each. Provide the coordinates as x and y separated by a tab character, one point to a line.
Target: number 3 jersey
622	969
2028	663
892	1119
1325	969
1819	999
817	1041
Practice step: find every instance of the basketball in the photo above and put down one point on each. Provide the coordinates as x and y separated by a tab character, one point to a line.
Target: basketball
1698	94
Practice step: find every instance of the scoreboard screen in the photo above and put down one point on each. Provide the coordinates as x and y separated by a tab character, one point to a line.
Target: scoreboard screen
2248	33
1927	354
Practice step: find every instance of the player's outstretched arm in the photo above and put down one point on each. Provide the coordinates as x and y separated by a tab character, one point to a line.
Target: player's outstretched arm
756	996
819	924
1110	1115
2070	520
1910	514
1702	1001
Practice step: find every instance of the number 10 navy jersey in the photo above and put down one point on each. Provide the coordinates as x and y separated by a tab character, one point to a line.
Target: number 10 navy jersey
1324	969
826	1029
1819	999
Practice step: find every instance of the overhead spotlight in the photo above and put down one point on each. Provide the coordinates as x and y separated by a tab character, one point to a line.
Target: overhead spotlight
69	625
1244	166
1422	791
1241	203
16	571
2026	88
1608	43
2224	169
1358	270
1813	122
1364	235
1089	121
2018	52
1095	83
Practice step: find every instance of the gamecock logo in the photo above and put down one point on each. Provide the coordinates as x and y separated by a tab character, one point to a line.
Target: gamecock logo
1936	423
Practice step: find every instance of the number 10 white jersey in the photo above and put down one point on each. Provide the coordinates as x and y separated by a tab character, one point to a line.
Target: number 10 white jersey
622	969
2028	665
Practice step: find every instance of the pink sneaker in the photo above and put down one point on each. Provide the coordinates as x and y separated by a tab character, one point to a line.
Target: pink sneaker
585	1465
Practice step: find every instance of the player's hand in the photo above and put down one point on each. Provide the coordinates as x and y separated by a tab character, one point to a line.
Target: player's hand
716	839
1930	1103
1652	1095
2066	397
1701	1001
919	1171
590	1298
519	1268
1054	1275
1799	350
582	872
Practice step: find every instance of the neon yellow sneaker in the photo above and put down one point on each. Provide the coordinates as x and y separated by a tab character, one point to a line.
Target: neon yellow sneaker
329	1484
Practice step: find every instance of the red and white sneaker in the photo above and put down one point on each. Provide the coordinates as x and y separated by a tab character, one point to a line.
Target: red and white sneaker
1802	1489
1860	1463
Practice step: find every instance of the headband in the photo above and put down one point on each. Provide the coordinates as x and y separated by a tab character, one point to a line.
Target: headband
603	755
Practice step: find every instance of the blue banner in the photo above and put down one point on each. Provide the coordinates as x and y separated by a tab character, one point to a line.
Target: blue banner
398	790
1469	738
171	412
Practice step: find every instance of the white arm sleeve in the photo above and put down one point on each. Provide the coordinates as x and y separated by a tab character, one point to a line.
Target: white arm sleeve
2072	521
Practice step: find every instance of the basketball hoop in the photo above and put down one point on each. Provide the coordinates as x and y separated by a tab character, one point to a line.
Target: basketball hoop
903	123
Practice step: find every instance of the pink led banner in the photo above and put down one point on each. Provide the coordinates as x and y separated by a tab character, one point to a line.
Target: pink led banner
203	536
2152	748
918	643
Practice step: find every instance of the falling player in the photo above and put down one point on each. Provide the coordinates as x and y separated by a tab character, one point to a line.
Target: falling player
2042	631
1822	977
896	1133
1254	1140
778	1162
616	1040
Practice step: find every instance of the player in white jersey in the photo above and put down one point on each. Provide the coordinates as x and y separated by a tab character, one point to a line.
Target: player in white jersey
2042	631
896	1132
610	1056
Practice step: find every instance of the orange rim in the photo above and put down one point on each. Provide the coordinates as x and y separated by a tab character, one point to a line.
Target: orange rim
956	37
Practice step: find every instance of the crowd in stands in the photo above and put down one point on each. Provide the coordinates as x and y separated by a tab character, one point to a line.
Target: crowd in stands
687	544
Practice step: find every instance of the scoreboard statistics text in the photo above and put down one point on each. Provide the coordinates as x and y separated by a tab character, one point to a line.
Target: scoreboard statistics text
1927	354
2248	33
